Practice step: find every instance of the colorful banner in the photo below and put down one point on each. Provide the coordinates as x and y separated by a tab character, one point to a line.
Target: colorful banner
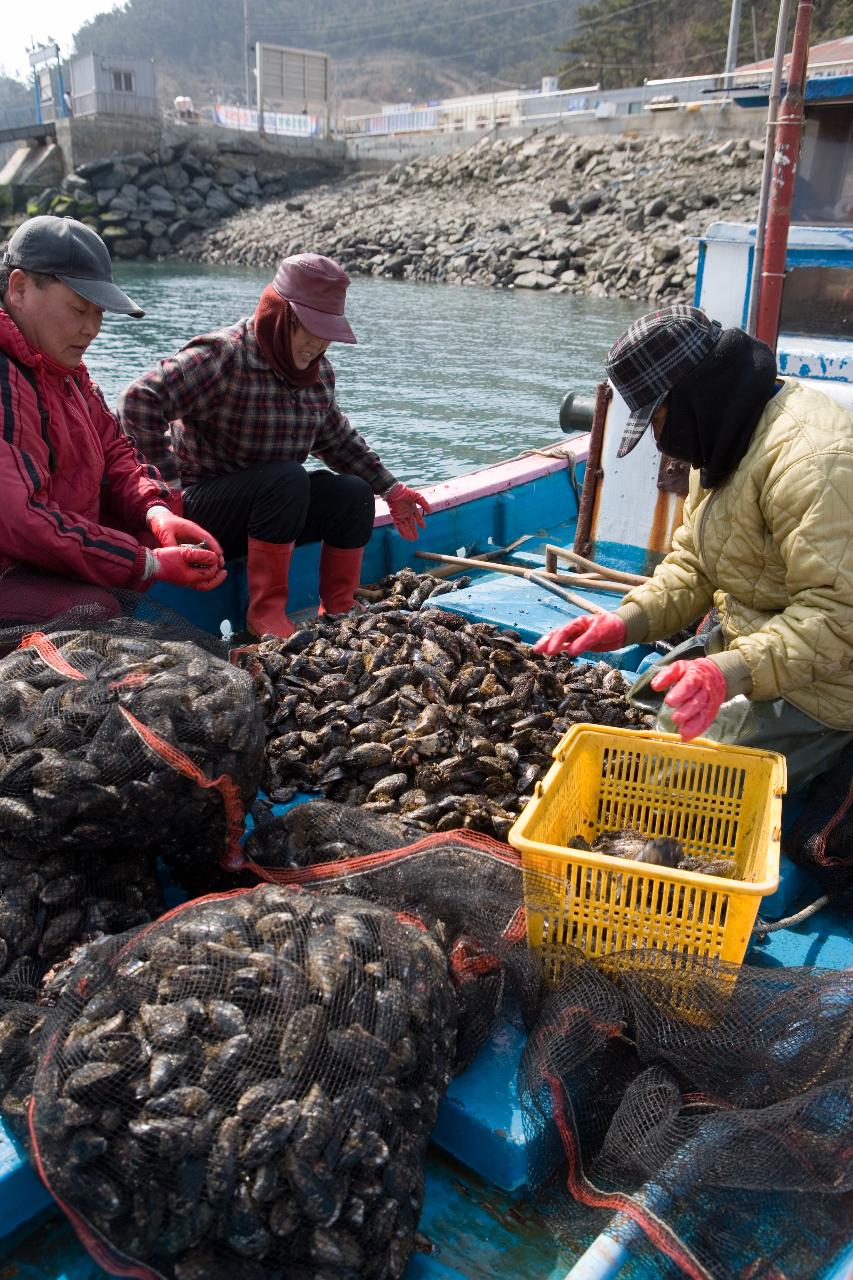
297	124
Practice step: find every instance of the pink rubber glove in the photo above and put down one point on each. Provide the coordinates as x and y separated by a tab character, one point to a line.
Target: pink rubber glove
698	693
187	566
408	508
170	529
595	633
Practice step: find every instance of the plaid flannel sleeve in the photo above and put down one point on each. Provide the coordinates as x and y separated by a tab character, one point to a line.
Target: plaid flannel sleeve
340	446
183	383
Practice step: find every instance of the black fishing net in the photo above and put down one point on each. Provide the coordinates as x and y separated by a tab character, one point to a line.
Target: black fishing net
51	902
34	601
27	994
698	1112
821	839
464	888
321	831
245	1088
126	736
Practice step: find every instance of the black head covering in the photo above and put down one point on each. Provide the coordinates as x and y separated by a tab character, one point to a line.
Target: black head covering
713	411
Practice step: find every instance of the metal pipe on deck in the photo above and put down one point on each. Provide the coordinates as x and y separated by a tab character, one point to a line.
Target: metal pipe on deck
601	1261
788	136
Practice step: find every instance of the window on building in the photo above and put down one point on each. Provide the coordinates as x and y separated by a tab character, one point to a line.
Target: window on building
122	81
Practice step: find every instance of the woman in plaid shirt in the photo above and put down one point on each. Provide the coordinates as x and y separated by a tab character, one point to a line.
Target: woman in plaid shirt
233	416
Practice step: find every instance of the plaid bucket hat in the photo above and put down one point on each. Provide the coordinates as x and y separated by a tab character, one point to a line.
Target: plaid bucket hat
652	356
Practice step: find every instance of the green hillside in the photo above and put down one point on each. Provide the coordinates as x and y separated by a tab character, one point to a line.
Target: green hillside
413	50
618	43
402	49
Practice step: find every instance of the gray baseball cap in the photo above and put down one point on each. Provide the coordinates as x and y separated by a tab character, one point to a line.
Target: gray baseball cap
75	254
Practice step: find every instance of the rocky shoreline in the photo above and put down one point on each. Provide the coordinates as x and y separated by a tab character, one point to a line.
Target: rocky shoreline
144	204
600	216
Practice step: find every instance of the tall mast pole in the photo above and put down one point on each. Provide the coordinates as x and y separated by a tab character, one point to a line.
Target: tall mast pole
731	51
785	156
767	167
246	49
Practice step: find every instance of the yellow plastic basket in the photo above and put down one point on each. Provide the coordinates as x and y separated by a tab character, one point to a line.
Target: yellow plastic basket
716	800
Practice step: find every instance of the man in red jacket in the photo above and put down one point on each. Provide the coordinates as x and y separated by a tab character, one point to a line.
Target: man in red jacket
80	503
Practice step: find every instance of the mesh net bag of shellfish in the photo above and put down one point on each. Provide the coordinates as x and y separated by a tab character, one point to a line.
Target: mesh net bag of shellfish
48	905
466	889
445	722
710	1138
244	1089
127	737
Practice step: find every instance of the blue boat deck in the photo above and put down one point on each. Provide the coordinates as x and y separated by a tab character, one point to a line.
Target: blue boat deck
475	1217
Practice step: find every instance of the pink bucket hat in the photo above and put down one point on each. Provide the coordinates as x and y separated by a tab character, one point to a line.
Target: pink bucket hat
316	288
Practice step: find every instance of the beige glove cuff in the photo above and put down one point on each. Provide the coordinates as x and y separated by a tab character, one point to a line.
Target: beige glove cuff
734	668
636	622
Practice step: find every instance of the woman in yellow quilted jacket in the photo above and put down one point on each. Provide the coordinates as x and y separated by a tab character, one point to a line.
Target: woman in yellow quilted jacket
766	541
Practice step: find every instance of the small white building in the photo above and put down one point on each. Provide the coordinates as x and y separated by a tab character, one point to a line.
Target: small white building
110	84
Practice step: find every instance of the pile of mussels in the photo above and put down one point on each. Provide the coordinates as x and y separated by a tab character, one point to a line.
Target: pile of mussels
245	1090
444	722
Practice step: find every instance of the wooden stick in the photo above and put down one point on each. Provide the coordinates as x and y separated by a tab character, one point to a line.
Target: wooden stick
615	575
515	570
547	585
588	582
449	570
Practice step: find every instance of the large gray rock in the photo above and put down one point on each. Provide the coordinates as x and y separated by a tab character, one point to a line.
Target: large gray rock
665	251
226	176
106	196
159	247
179	230
191	199
589	203
655	207
219	203
74	182
176	176
525	265
202	184
534	280
155	176
94	167
156	228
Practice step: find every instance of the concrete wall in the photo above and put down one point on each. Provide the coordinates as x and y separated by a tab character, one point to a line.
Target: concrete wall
96	137
721	123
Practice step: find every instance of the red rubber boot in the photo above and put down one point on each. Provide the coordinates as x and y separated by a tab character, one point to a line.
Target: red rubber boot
267	569
340	574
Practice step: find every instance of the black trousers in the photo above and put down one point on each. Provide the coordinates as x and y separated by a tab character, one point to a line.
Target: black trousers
282	502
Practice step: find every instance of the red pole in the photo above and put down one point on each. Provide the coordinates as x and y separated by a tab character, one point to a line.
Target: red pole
788	135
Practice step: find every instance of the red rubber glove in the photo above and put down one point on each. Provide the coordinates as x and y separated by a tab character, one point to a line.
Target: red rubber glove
187	566
170	529
698	693
595	633
408	508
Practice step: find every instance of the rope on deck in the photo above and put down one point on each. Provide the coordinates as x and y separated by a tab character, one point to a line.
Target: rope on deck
762	928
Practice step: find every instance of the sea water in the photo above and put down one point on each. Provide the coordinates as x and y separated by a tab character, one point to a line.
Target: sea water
444	379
